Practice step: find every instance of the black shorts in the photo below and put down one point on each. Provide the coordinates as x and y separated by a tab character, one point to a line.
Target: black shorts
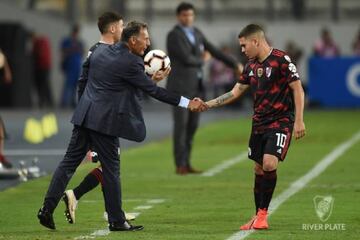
274	142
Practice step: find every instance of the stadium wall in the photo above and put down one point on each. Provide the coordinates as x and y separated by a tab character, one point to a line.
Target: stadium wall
41	23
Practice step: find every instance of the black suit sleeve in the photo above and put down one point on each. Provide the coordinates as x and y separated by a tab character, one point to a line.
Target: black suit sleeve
229	61
83	79
137	77
177	48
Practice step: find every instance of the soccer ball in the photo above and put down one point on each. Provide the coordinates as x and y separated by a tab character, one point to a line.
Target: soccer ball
156	60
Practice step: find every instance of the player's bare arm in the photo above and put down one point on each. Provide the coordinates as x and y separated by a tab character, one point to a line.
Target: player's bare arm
228	97
298	93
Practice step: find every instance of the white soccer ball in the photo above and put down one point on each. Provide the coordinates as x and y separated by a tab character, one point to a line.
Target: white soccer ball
156	60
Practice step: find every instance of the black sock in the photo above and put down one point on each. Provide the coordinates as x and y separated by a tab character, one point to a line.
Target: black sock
89	183
257	190
267	188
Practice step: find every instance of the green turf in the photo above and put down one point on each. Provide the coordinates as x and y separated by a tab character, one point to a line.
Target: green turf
214	207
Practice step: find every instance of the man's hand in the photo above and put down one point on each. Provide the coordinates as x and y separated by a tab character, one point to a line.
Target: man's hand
299	129
197	105
160	75
206	56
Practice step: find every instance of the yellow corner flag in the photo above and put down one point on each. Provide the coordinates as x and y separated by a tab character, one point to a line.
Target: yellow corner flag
33	132
49	125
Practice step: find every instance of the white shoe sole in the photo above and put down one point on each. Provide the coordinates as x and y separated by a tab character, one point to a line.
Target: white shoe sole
70	203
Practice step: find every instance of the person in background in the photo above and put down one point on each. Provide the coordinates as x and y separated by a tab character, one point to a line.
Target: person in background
221	76
294	52
6	77
186	45
42	68
356	44
326	46
72	50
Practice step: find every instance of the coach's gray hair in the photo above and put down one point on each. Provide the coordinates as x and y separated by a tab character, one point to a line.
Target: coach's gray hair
133	28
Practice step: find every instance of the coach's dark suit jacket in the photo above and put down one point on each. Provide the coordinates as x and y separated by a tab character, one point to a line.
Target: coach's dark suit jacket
110	103
186	61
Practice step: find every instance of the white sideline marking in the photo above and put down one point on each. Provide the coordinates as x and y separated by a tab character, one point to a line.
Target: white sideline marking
143	207
303	181
101	200
155	201
225	165
136	214
35	152
106	231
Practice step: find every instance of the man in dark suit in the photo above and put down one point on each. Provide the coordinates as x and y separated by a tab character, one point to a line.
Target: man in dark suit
186	45
110	108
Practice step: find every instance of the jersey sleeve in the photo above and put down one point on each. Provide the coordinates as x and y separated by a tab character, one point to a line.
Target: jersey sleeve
288	69
244	77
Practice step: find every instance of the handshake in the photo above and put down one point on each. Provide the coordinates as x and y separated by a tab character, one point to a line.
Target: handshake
198	105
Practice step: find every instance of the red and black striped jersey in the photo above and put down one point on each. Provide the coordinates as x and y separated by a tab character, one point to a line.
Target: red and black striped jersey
269	83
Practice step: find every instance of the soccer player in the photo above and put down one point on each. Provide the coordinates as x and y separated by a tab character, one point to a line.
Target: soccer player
277	92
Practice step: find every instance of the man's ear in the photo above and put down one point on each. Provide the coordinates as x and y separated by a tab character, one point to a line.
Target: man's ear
133	40
112	28
255	41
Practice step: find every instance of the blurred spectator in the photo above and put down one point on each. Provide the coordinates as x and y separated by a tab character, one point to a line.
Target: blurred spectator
294	52
221	76
298	8
41	68
72	50
325	46
5	71
356	44
3	161
6	76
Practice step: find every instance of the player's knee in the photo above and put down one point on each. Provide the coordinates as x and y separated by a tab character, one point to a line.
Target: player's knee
269	163
258	169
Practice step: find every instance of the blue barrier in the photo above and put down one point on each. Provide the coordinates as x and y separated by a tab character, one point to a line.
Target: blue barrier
334	82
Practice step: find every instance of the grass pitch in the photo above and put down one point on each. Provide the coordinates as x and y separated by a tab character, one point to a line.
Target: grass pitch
198	207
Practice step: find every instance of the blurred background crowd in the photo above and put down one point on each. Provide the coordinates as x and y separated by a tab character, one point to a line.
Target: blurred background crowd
44	42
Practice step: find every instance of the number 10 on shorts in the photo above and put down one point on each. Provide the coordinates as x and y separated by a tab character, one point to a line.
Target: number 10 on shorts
281	140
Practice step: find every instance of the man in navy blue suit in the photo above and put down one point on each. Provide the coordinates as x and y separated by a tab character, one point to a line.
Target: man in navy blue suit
110	108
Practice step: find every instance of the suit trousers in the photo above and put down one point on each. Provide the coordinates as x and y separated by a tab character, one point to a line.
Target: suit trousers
185	125
107	148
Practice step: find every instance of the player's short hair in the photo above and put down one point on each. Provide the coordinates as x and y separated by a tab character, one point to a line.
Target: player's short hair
133	28
250	30
184	6
106	19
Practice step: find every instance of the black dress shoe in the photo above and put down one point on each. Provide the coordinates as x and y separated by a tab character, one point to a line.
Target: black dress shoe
115	226
46	218
182	170
193	171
